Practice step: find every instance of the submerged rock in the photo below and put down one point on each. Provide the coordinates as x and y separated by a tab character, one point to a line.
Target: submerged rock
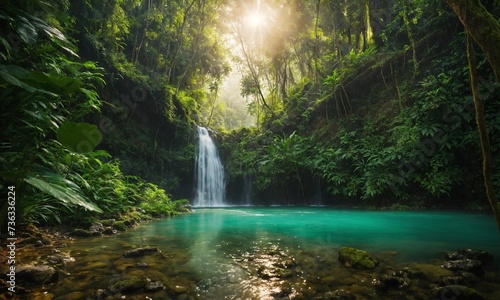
483	256
356	258
139	252
458	292
465	265
154	286
35	275
128	286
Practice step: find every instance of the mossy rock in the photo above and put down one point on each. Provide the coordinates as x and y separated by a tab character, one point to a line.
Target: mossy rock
356	258
107	223
119	225
128	286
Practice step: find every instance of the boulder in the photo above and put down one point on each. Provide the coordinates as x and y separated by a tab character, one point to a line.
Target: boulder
458	292
139	252
356	258
483	256
96	228
35	275
473	266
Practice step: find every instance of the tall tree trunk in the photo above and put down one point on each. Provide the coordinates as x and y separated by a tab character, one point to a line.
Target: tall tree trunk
483	28
483	132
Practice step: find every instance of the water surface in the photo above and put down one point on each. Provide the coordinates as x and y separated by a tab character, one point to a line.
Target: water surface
223	253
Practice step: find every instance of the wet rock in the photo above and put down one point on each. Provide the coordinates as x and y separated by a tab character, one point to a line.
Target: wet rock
154	286
96	227
356	258
430	272
119	225
394	280
128	286
80	233
340	294
483	256
461	278
465	265
139	252
109	230
35	275
458	292
100	294
57	260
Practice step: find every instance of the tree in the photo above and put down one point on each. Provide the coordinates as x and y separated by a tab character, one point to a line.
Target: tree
483	28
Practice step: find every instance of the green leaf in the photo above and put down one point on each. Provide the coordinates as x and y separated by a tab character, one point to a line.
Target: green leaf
67	193
79	137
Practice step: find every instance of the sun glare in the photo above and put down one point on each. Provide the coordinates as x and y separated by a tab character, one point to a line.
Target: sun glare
256	19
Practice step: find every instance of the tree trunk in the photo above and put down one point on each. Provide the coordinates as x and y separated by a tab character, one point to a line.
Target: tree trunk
483	132
483	28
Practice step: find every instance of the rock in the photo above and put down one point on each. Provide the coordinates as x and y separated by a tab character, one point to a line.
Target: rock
57	260
483	256
465	265
461	278
35	275
458	292
38	243
96	227
430	272
395	280
100	294
80	233
119	225
356	258
109	230
139	252
338	295
154	286
128	286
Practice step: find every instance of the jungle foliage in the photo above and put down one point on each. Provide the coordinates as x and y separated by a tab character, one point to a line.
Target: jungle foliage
389	123
355	102
47	153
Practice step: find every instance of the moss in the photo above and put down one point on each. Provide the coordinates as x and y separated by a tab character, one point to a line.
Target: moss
119	225
356	258
128	285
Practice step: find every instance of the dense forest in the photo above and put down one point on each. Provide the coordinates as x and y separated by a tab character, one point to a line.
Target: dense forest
360	103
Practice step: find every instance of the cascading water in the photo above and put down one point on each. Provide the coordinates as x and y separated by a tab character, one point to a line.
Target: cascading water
210	185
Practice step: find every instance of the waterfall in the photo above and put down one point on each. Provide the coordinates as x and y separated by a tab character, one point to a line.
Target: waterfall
210	185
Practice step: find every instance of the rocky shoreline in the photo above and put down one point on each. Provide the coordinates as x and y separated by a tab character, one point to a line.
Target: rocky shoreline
344	274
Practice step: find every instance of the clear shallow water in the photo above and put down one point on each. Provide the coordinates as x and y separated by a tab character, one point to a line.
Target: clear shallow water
225	253
415	235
